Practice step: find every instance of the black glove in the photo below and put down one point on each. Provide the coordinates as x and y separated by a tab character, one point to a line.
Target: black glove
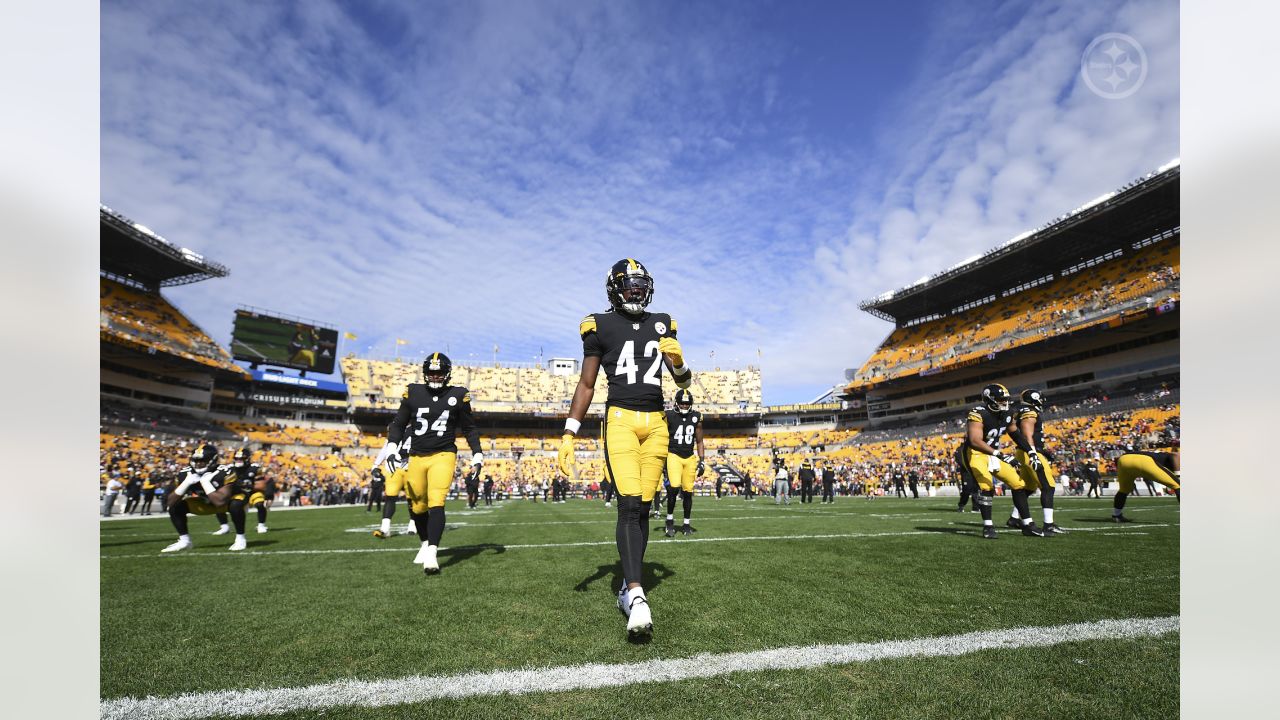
1049	456
1007	458
702	467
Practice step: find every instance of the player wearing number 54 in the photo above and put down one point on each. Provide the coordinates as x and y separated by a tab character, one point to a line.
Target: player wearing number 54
631	345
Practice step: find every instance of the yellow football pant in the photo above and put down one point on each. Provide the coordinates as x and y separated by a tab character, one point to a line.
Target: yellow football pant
395	483
635	450
1131	467
428	478
986	479
306	356
199	506
1028	473
682	471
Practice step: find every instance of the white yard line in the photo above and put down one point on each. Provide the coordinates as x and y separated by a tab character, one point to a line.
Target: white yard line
421	688
592	543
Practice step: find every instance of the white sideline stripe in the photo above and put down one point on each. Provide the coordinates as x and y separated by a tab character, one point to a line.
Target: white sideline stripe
421	688
592	543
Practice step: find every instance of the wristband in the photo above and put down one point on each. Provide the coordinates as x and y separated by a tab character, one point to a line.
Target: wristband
679	370
572	426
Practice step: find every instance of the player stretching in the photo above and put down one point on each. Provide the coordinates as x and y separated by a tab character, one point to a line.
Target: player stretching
631	345
204	490
1033	459
684	425
429	419
1164	468
986	424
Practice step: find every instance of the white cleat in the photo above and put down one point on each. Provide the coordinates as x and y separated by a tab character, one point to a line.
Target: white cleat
262	527
222	530
411	528
608	504
429	564
639	620
623	599
421	557
239	544
182	544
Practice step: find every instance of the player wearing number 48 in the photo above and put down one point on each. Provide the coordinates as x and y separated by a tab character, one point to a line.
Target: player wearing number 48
630	344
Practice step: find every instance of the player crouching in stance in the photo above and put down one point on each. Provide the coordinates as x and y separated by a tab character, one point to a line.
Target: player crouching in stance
204	489
986	424
1033	460
427	424
684	425
1164	468
631	345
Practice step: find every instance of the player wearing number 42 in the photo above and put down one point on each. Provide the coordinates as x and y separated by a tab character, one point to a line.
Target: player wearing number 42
630	344
428	422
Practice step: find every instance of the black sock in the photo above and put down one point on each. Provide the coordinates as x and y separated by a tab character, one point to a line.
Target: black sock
237	515
1118	501
671	503
1046	496
389	509
985	507
178	514
632	524
1020	502
687	497
435	525
1178	494
222	518
421	524
262	514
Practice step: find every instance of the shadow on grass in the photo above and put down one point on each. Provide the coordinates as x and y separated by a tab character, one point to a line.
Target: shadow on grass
654	574
455	555
973	530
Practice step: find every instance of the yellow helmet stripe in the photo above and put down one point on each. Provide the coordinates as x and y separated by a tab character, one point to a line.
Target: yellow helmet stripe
631	264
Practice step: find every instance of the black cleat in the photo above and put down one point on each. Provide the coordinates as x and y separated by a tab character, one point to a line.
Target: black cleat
989	532
960	509
1013	523
670	530
1053	529
1120	519
687	530
1030	530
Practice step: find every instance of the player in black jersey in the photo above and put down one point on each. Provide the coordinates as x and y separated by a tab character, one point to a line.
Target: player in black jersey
377	484
250	486
473	487
1162	467
430	417
204	489
684	426
631	345
1033	459
393	467
987	423
807	476
488	489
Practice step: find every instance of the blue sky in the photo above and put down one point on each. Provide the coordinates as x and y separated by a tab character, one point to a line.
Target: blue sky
463	174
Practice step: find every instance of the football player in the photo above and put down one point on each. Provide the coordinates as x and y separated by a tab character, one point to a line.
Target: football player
968	488
392	470
430	417
473	488
987	423
1164	468
249	491
807	476
1033	460
377	483
631	344
684	425
204	489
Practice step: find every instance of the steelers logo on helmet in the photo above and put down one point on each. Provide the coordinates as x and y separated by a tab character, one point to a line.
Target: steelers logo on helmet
629	286
204	457
1032	398
436	370
684	401
996	397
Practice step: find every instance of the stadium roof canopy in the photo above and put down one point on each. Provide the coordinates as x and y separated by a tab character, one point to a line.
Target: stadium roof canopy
135	252
1142	209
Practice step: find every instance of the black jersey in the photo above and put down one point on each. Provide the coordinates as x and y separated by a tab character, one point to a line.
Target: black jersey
431	420
994	423
628	351
1037	434
217	477
1162	459
683	430
246	476
806	473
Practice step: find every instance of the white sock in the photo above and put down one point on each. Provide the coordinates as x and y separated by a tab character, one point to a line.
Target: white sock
670	517
184	538
1015	514
386	525
425	544
1048	516
986	523
1115	512
686	521
1026	521
239	537
224	526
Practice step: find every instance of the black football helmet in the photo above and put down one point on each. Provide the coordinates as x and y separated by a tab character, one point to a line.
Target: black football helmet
684	401
242	458
437	370
996	397
1032	398
204	458
629	286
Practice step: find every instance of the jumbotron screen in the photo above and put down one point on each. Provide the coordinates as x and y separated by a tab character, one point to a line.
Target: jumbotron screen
269	340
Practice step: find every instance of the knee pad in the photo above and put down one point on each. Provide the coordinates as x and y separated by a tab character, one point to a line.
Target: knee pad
630	507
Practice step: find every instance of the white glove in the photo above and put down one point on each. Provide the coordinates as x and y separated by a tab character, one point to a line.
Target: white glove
388	450
477	458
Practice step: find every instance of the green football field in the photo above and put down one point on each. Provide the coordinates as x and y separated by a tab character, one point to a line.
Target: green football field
767	611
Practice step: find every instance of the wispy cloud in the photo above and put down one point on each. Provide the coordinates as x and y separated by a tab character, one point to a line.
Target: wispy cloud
464	174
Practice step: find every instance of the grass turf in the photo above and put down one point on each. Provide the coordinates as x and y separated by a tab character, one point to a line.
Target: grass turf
283	619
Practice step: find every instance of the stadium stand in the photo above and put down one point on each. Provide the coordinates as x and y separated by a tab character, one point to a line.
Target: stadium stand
135	316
